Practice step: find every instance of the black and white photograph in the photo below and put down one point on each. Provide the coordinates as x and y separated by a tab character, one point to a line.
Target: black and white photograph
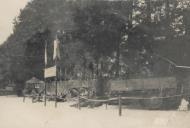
94	63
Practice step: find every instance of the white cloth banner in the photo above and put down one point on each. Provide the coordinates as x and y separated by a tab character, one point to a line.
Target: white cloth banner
50	72
45	54
56	52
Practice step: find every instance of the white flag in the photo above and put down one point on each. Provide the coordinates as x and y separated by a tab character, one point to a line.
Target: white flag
45	54
56	52
50	72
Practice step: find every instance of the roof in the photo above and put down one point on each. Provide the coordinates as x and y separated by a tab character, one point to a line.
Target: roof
34	80
143	84
176	50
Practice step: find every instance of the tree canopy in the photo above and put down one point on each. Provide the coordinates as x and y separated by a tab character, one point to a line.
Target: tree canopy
98	38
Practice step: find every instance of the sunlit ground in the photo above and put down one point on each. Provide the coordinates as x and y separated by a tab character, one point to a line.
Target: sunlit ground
16	114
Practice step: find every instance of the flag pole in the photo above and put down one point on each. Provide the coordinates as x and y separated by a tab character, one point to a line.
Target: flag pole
45	93
56	57
55	92
56	87
56	81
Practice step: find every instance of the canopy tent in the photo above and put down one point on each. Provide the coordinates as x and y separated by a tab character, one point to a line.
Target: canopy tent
35	83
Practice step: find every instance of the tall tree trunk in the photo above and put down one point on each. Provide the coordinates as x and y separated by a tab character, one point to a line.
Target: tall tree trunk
97	70
65	74
130	14
117	60
167	9
92	74
167	23
148	3
84	69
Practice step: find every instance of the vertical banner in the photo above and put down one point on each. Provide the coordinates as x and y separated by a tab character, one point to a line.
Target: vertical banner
45	57
45	62
56	51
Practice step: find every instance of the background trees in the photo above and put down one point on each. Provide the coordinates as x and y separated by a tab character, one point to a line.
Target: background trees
118	39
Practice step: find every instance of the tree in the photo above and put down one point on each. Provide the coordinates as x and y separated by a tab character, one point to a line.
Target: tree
101	29
102	37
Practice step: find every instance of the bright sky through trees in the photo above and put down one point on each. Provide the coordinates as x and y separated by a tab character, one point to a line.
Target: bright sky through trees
9	9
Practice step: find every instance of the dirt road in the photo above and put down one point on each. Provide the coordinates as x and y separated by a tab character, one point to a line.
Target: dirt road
16	114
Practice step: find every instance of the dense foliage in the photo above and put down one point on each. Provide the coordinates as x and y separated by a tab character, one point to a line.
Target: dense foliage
115	39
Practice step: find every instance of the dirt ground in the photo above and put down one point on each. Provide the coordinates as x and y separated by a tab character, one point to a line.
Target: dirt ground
16	114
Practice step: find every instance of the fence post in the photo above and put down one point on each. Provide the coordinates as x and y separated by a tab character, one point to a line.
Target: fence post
32	99
79	102
106	105
24	98
120	105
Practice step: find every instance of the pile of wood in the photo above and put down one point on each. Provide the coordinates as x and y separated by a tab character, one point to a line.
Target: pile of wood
184	105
